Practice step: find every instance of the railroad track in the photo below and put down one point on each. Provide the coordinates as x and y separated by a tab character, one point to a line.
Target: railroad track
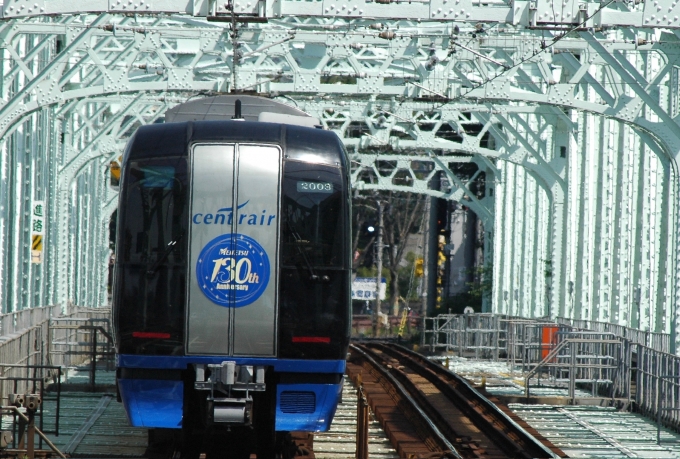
295	445
427	411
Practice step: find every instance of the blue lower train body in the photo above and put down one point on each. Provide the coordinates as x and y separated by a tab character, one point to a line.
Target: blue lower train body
159	403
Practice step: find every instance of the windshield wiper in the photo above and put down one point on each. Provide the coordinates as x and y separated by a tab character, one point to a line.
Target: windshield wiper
298	243
171	246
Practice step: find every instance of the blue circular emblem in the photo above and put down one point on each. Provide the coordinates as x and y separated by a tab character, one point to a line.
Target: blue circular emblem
233	270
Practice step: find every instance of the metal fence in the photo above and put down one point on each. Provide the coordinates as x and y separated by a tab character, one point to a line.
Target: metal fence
527	340
634	365
657	341
474	335
658	385
20	321
554	354
28	342
600	361
486	336
77	337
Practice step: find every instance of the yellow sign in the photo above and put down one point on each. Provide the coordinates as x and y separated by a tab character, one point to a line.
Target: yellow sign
37	249
38	224
37	242
115	170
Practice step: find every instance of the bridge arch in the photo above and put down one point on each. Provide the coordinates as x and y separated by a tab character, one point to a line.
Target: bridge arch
550	108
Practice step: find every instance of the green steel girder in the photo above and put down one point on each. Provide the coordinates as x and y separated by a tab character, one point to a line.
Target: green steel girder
540	13
573	129
166	56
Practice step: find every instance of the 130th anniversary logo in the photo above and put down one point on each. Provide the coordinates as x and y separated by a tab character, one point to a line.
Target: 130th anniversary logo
233	270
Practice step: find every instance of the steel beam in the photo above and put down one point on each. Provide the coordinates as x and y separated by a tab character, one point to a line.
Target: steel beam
567	112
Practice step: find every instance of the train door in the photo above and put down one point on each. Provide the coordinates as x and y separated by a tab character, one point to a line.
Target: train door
234	250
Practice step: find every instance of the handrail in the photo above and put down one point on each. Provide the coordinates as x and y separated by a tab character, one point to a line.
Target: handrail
551	355
561	345
38	431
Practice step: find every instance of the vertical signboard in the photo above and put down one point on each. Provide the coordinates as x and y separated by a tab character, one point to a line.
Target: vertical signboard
37	231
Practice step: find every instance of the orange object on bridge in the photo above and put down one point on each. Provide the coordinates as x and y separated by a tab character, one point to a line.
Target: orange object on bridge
548	340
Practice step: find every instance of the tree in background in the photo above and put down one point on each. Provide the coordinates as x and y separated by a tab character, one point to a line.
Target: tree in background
402	215
479	289
363	214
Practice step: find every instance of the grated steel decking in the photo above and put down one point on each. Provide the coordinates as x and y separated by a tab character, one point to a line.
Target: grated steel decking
340	441
583	431
94	425
91	424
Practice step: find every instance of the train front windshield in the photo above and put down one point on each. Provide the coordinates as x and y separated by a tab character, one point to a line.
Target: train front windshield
314	281
153	267
152	255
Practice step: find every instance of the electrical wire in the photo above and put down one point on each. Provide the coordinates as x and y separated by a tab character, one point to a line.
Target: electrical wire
544	49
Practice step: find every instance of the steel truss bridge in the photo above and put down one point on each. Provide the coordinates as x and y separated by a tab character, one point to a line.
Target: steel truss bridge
555	121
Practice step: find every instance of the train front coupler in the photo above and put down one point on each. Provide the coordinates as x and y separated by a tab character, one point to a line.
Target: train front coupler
229	401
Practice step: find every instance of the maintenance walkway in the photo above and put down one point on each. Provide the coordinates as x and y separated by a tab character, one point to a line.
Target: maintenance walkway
583	423
586	430
93	424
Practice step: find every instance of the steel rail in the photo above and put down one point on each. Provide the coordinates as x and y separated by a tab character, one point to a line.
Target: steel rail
463	394
405	394
421	400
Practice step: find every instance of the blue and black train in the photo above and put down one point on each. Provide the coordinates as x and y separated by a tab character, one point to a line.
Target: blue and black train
232	275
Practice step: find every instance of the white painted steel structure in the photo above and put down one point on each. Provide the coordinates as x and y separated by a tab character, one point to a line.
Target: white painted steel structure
554	120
